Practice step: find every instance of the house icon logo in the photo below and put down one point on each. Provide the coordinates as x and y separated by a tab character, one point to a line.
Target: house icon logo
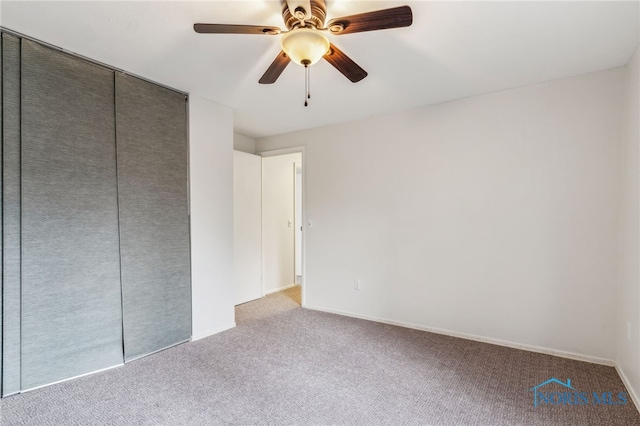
551	380
568	395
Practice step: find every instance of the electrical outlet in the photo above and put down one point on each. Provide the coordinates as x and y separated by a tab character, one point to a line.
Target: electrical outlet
356	284
628	331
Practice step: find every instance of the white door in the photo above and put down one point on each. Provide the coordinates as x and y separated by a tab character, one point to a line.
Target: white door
247	224
278	221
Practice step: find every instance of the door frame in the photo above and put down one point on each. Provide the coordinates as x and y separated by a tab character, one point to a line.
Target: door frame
295	150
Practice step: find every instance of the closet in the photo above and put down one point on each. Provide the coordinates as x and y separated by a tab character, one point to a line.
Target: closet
95	221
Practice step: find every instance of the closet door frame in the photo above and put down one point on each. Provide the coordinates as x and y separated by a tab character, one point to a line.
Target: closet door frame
11	206
14	364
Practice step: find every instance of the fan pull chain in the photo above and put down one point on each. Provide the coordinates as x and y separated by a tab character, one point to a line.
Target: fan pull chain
306	85
308	82
307	95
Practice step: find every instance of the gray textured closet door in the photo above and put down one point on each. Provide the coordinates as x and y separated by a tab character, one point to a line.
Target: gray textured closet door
10	214
71	294
1	233
154	221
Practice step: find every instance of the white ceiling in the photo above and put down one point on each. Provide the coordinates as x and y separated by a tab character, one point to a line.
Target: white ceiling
453	50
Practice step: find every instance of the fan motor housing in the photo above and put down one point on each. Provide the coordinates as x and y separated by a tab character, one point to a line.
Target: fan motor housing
318	15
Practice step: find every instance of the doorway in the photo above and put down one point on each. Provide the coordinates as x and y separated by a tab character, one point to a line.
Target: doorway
268	224
281	221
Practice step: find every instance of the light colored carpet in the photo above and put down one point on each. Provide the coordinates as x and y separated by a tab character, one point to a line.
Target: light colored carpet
284	365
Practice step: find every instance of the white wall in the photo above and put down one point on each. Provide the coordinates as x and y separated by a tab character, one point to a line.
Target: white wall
629	292
244	143
211	192
494	216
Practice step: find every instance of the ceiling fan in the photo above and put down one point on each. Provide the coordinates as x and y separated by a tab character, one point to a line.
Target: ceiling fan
304	42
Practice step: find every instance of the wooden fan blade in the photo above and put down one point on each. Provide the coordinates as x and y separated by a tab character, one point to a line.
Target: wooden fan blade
344	64
234	29
275	69
395	17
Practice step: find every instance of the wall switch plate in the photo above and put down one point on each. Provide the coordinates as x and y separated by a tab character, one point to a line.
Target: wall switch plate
356	284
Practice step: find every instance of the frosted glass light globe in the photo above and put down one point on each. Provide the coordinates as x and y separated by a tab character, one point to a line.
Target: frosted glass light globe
305	46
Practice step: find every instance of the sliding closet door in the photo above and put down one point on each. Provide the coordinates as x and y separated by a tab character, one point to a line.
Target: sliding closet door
71	294
10	214
1	234
154	221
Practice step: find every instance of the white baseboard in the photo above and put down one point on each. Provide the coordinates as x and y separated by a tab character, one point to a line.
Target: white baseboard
627	384
275	290
531	348
214	331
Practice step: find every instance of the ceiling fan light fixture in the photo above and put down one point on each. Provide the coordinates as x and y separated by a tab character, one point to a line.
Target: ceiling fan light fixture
305	46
